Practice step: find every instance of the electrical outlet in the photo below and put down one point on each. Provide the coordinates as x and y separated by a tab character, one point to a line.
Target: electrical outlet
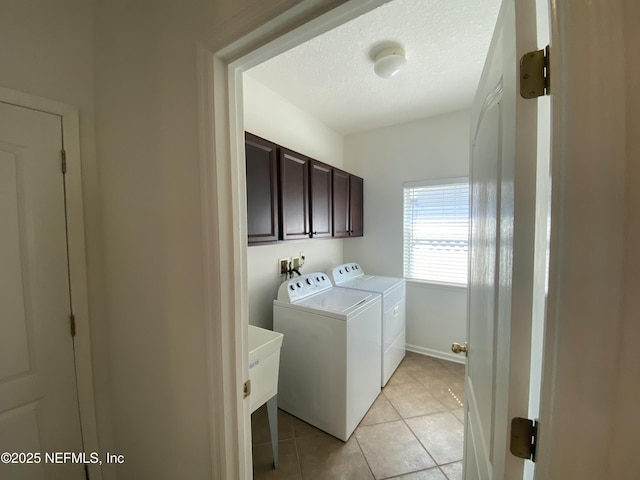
296	262
283	265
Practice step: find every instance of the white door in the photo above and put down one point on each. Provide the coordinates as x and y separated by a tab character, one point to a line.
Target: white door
38	395
503	202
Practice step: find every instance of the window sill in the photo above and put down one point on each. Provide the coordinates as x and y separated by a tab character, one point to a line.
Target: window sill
447	286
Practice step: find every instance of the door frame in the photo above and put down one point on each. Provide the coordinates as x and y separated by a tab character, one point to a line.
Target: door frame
223	200
582	338
77	259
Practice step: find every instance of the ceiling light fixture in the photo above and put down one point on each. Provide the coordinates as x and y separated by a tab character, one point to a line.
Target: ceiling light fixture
389	62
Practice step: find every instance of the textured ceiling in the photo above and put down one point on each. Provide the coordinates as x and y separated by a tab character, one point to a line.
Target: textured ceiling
331	76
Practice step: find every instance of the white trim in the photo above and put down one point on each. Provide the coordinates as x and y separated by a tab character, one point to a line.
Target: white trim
225	300
427	284
206	151
77	262
450	356
436	181
583	310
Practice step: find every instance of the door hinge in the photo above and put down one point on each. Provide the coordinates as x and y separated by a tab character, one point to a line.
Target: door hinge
72	323
524	437
86	472
535	75
246	389
63	156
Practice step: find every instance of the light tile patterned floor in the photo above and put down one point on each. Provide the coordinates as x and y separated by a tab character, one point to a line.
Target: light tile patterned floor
413	431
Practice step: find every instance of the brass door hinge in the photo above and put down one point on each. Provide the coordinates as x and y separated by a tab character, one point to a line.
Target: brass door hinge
535	76
524	437
63	156
246	389
72	323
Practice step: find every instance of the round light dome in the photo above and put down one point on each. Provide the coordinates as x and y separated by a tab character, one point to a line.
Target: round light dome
389	62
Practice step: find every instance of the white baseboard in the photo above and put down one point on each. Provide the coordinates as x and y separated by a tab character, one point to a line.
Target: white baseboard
452	357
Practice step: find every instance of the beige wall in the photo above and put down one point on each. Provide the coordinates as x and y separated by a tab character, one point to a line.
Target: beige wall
270	116
148	170
428	149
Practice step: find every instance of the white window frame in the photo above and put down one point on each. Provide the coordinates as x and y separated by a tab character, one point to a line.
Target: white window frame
418	184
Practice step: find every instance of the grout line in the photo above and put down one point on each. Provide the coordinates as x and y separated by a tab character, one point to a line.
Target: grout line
392	406
445	464
421	444
417	471
362	451
295	444
443	473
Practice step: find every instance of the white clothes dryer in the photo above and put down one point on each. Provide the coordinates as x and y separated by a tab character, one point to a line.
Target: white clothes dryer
393	291
331	352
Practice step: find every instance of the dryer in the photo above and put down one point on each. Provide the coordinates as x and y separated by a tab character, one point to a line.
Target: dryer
330	357
393	307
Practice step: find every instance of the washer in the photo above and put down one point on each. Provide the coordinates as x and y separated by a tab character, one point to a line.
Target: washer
331	352
393	291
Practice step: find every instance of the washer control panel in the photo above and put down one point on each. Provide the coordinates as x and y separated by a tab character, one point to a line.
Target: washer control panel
301	287
347	271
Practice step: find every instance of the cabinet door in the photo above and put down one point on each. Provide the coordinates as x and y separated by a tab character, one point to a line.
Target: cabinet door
340	203
356	185
262	190
294	188
321	199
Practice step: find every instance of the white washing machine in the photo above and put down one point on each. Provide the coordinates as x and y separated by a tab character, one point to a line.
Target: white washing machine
393	291
331	352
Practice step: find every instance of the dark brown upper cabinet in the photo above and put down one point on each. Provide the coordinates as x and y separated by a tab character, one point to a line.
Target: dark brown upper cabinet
294	195
262	190
321	199
347	204
356	206
341	225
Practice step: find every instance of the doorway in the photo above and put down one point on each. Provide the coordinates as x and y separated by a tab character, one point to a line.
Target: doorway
453	162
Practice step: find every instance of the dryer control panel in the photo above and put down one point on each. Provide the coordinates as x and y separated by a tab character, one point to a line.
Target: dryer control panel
304	286
345	272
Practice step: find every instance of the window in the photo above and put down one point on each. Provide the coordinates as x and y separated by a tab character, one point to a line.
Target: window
436	230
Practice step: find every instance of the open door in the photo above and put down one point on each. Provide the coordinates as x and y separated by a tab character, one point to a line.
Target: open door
502	247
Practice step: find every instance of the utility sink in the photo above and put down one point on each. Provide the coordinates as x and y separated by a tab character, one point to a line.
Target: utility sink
264	363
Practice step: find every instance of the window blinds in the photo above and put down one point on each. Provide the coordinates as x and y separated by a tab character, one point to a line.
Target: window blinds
436	231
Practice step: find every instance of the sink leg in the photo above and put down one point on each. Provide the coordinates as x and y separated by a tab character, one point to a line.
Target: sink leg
272	411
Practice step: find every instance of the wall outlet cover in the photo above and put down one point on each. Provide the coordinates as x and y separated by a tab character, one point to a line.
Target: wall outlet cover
283	265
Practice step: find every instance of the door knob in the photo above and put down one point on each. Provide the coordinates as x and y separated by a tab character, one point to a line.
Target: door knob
457	348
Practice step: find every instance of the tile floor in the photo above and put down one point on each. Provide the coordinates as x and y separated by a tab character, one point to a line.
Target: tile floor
413	431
